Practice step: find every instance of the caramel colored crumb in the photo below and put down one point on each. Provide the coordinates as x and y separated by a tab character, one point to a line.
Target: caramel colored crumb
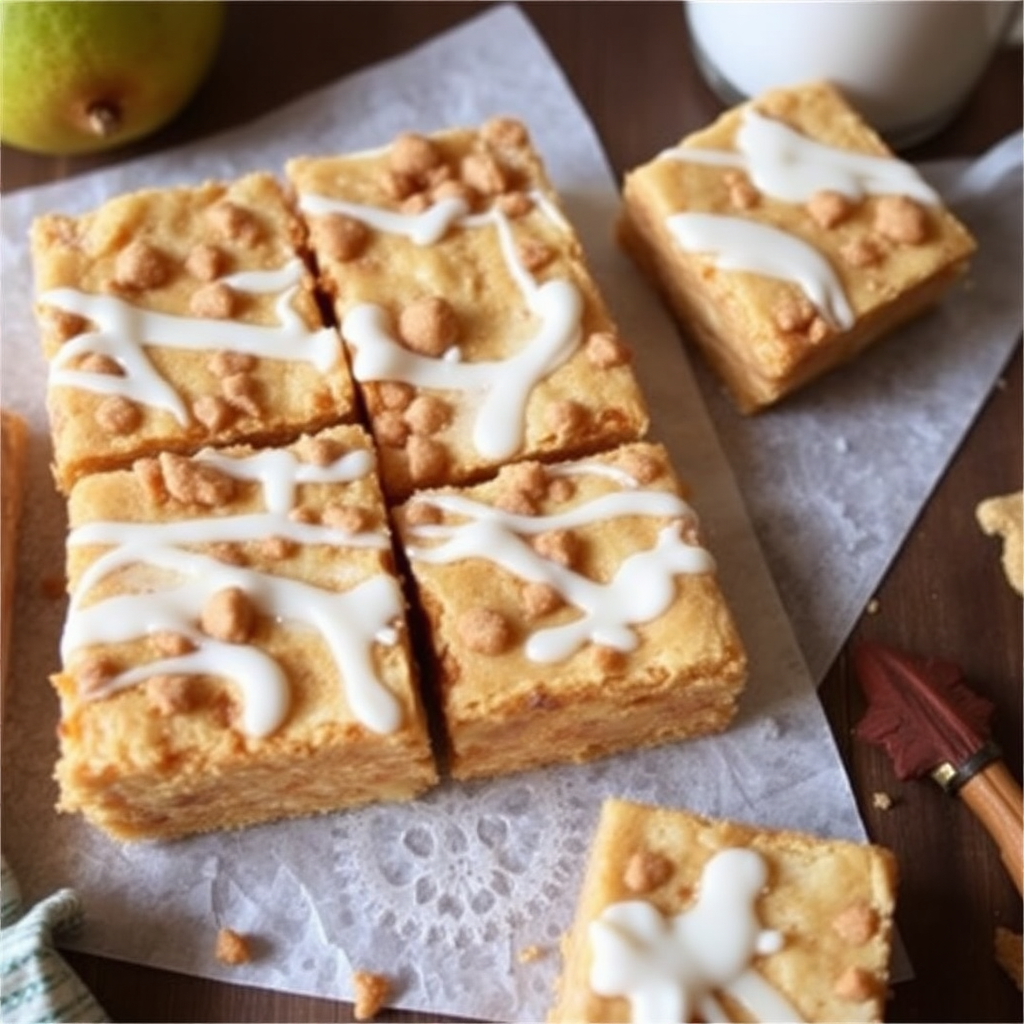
192	483
228	616
1003	516
428	326
881	801
371	993
856	924
646	871
531	954
232	947
829	208
900	219
485	631
1010	954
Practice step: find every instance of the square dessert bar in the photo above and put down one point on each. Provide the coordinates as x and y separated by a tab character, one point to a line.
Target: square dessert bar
235	648
787	237
182	317
683	917
475	330
572	612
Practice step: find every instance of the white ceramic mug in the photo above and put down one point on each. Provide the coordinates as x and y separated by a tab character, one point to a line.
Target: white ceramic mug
906	65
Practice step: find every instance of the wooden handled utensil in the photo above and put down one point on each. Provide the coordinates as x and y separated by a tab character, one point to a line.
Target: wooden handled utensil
922	713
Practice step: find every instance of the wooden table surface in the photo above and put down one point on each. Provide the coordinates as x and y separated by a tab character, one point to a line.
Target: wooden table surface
945	594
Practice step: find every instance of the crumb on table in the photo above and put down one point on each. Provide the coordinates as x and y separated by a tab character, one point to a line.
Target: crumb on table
371	993
232	947
881	801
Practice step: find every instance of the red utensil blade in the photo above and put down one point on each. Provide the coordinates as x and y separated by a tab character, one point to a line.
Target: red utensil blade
919	710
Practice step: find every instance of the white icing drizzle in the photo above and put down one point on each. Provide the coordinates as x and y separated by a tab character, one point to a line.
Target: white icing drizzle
736	243
124	331
640	591
425	228
669	969
594	468
279	472
787	165
505	385
348	621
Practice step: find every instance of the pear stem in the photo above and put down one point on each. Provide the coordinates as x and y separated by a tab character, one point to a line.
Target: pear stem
104	118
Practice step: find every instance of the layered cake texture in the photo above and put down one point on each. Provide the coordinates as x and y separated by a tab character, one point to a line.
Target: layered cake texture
181	317
236	646
573	604
786	237
683	917
476	333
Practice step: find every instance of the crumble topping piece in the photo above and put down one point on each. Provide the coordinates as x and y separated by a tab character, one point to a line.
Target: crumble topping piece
371	993
901	219
232	947
228	615
857	924
646	870
485	631
140	266
829	208
429	326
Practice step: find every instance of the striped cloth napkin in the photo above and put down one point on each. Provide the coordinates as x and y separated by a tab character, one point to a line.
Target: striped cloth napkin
36	985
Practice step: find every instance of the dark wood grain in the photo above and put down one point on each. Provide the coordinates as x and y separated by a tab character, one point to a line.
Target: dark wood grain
945	593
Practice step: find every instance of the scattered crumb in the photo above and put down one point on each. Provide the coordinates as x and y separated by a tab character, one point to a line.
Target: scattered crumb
881	801
371	993
1003	516
873	606
531	954
1010	954
232	948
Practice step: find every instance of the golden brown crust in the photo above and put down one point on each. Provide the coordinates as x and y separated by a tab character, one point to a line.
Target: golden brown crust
173	251
683	678
893	255
459	290
172	756
828	968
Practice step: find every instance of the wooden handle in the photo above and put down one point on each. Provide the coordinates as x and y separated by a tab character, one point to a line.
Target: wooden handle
996	798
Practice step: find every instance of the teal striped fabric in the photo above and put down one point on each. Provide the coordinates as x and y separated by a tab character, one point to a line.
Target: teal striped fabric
36	985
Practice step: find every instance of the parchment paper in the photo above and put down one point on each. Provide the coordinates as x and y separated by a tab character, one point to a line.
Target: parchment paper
448	891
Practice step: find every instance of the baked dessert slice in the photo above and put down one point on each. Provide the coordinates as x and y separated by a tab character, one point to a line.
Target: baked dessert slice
178	318
476	332
786	237
572	604
235	648
683	917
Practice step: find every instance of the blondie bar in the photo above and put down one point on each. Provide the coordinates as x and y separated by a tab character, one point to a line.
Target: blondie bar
476	332
572	612
683	917
176	318
787	237
236	648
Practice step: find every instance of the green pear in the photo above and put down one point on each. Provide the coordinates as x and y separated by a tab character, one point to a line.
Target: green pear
77	76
